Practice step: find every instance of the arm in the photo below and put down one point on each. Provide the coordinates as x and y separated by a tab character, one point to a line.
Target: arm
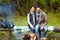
29	21
46	21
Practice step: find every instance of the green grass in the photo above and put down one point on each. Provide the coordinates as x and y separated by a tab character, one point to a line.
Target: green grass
53	20
20	21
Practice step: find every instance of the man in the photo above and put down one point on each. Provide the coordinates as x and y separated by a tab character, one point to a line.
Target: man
32	22
41	21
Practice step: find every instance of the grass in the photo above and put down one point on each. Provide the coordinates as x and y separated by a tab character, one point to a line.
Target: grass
20	21
53	20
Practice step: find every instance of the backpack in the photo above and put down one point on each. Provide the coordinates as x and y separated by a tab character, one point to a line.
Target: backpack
9	24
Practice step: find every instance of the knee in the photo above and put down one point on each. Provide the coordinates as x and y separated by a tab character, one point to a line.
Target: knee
37	29
45	29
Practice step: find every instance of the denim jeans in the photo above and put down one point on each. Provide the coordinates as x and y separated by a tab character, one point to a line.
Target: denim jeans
36	31
45	29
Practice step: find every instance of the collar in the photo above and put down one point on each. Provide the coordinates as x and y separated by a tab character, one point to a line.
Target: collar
38	13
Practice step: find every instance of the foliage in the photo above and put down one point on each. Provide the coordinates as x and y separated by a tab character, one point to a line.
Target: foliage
24	6
51	7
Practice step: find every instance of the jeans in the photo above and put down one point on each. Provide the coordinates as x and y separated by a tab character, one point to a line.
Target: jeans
36	31
45	29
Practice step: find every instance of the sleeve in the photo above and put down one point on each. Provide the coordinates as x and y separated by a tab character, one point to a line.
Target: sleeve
28	18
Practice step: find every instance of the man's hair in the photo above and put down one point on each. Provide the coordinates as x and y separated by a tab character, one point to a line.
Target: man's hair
38	7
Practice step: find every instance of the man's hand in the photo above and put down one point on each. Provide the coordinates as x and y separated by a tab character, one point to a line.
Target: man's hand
41	28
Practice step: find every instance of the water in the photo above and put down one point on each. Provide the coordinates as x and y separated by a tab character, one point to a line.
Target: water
8	9
19	31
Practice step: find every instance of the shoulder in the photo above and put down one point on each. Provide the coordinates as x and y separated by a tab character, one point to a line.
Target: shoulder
28	14
44	13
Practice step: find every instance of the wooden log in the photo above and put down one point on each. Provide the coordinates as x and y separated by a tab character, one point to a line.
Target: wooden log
7	33
57	30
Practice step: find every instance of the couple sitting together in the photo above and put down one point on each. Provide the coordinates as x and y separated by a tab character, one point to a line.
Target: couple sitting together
37	21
